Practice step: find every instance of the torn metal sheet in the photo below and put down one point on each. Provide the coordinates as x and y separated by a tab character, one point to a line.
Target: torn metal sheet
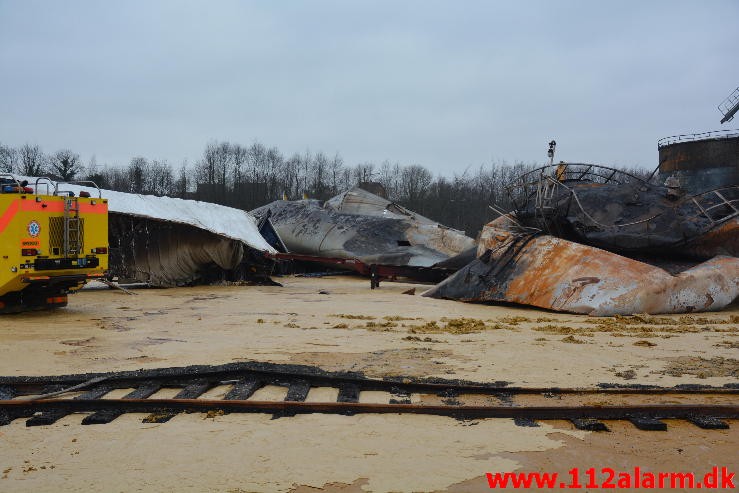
361	202
557	274
361	225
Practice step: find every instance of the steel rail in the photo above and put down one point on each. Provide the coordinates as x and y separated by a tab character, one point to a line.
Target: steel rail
664	411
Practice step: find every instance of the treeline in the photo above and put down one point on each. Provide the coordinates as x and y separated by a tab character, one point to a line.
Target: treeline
29	160
247	177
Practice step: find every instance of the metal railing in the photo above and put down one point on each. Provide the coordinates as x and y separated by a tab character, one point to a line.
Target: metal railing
715	134
79	183
50	186
548	189
540	183
43	180
718	205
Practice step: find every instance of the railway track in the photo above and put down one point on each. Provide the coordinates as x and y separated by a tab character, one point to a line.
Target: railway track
287	390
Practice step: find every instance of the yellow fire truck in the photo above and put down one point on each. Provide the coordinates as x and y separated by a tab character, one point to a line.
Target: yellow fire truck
52	241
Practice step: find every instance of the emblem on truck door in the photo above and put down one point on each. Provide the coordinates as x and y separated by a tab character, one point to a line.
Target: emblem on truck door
34	228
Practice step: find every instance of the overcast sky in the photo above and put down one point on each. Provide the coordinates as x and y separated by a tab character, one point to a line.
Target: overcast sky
442	84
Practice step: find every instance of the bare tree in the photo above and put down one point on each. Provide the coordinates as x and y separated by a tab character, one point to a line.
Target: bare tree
239	156
363	172
414	182
159	179
137	171
291	177
257	159
31	160
206	168
335	168
223	161
8	159
274	170
119	178
212	172
65	164
183	181
319	167
389	177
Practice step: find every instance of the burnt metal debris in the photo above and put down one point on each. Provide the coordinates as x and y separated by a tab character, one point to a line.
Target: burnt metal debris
613	210
590	239
360	225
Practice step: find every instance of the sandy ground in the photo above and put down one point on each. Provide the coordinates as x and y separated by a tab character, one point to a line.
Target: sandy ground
340	324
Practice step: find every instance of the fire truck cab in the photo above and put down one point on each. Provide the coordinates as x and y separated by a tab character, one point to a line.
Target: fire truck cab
53	239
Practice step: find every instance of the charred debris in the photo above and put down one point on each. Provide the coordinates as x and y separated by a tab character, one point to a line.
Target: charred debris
589	239
364	232
581	238
166	242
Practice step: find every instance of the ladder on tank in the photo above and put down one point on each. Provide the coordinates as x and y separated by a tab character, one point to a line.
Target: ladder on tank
72	227
729	106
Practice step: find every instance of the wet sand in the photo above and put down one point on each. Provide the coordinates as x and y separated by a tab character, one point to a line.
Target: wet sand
340	324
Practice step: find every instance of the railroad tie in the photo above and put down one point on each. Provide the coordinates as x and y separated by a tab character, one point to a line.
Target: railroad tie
6	393
648	423
243	389
53	415
589	424
5	418
298	391
348	392
399	396
525	422
709	422
107	415
192	391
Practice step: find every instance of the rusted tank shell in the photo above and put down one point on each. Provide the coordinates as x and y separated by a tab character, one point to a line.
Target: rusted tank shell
722	240
701	164
557	274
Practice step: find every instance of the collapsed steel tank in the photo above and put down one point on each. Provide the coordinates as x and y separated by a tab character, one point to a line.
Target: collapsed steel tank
585	238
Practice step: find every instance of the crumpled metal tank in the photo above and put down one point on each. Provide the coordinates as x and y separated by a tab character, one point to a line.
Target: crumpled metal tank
619	212
361	225
590	239
516	265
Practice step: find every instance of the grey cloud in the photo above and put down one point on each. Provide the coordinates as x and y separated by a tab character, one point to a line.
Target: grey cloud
441	84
